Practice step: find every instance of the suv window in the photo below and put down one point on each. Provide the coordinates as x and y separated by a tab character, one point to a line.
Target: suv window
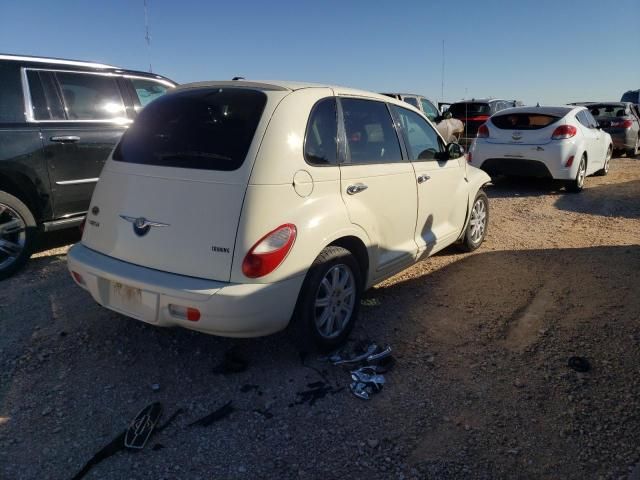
320	145
11	101
371	135
45	100
429	109
411	101
148	90
204	128
462	110
420	138
91	97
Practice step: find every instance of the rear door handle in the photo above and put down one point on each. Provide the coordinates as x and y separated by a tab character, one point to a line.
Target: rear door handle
356	188
423	178
65	139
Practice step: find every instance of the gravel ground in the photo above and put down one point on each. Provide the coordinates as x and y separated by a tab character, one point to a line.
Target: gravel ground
481	389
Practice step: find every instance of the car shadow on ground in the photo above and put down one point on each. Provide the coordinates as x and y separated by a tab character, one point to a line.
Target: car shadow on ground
508	187
51	240
607	200
461	335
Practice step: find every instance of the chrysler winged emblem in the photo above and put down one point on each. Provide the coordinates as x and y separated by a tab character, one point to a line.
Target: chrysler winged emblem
141	225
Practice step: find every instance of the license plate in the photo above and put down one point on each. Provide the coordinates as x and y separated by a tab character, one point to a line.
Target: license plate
133	302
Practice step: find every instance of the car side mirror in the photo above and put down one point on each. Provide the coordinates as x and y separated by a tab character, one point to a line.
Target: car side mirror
452	152
455	151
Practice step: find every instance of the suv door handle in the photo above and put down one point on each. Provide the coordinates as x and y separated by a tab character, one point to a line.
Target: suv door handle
423	178
65	139
356	188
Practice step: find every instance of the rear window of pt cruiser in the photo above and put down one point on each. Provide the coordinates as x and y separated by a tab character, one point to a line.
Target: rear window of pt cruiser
204	128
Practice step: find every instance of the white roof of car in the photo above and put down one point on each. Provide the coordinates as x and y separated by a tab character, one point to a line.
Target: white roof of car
289	85
560	111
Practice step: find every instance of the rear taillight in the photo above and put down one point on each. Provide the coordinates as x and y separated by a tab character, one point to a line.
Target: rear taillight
186	313
78	278
563	132
483	131
269	252
621	123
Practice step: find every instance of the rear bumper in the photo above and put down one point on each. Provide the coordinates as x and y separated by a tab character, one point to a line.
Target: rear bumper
622	139
543	161
226	309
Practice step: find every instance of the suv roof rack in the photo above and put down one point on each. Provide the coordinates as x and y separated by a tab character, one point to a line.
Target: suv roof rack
61	61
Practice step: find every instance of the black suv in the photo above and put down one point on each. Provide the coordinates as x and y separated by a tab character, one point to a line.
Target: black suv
474	113
59	120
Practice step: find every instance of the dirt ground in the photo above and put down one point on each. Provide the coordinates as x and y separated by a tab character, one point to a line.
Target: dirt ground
481	388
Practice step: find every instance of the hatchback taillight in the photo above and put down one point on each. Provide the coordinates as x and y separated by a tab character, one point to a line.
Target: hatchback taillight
483	131
563	132
621	123
269	252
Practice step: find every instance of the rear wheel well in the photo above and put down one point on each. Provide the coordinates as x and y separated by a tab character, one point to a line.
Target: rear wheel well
22	188
359	250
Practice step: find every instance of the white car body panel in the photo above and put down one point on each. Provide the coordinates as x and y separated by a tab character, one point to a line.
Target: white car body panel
395	219
538	145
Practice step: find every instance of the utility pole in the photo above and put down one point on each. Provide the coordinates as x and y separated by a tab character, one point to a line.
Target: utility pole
147	36
442	86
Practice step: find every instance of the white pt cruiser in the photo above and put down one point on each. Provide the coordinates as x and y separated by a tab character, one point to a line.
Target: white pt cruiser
233	208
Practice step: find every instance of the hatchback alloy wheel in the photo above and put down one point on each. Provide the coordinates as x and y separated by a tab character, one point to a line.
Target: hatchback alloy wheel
335	300
13	236
478	220
582	170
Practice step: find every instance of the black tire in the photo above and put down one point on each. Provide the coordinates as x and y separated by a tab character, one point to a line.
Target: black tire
634	152
472	238
13	210
576	185
607	161
305	328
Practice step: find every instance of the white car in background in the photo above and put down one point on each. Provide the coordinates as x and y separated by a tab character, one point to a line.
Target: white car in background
564	143
233	207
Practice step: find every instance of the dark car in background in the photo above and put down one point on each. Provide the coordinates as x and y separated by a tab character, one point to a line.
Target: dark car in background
475	112
59	121
622	121
632	96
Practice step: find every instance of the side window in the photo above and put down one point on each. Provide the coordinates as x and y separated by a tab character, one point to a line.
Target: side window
148	90
421	139
592	121
91	97
11	100
371	135
429	109
411	101
582	118
45	100
320	145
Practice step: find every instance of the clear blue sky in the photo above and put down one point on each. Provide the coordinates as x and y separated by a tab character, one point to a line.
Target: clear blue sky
534	50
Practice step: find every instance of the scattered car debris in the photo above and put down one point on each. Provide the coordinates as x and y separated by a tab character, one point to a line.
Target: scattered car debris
579	364
366	382
215	416
372	361
142	426
140	429
231	363
169	420
107	451
317	390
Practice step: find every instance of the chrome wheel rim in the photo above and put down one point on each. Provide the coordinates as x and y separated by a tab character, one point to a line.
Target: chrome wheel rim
335	301
13	235
582	169
478	221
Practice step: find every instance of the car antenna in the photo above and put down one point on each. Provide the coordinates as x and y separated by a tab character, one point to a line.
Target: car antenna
237	78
